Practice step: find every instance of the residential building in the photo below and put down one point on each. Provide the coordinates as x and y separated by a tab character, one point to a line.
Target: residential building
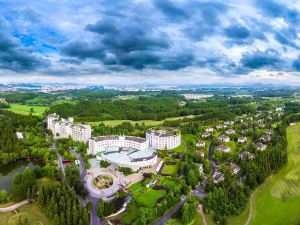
230	131
261	146
223	148
246	155
218	177
209	130
242	139
200	144
234	168
164	139
206	135
65	128
224	138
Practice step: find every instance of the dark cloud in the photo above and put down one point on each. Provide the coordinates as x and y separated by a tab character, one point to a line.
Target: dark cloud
296	64
274	9
15	57
173	12
262	59
132	45
236	32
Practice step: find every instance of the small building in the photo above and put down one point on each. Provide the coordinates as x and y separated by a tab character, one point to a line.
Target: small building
201	154
20	136
230	131
206	135
219	126
265	138
242	139
279	109
223	148
218	177
77	163
234	168
224	138
209	130
201	168
200	144
261	146
228	123
269	132
244	131
246	155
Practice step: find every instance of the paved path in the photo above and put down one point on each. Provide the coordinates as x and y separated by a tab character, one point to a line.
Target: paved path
13	207
200	208
168	216
198	192
252	198
94	216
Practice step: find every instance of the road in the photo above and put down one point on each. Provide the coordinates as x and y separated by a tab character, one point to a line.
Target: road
94	216
198	192
13	207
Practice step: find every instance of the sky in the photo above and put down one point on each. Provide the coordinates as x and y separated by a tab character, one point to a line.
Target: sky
161	42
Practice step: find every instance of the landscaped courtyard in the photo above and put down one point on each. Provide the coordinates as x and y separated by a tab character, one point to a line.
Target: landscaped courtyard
103	181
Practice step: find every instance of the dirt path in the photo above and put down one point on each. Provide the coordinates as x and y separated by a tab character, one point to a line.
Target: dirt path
252	198
200	208
13	207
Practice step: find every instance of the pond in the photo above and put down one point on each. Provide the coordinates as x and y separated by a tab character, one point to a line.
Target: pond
8	172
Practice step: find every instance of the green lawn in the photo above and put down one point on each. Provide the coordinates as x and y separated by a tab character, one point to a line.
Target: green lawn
279	201
169	170
25	109
30	211
113	123
137	186
130	215
148	197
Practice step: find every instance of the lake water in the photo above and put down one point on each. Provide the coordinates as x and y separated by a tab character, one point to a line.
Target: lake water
8	172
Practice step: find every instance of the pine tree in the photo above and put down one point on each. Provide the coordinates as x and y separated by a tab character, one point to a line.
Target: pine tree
41	197
100	209
28	195
85	218
62	218
56	220
33	192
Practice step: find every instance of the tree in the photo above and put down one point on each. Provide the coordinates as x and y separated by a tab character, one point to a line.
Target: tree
28	195
100	209
3	195
186	213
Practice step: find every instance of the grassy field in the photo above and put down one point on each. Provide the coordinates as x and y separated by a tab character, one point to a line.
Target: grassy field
169	170
148	197
25	109
113	123
33	214
279	201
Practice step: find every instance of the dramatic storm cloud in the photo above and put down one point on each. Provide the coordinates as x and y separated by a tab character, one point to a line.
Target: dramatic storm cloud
150	41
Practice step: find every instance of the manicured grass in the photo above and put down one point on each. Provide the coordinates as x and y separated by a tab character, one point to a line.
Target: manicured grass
169	170
130	215
148	197
45	181
279	201
29	211
114	123
135	187
25	109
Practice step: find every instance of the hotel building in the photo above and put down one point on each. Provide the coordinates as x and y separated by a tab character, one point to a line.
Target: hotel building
64	128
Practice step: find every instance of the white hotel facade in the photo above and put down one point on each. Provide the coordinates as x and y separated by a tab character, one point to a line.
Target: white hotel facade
64	128
101	143
124	151
163	139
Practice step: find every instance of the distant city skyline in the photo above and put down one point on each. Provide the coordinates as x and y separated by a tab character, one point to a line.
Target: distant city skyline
154	42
